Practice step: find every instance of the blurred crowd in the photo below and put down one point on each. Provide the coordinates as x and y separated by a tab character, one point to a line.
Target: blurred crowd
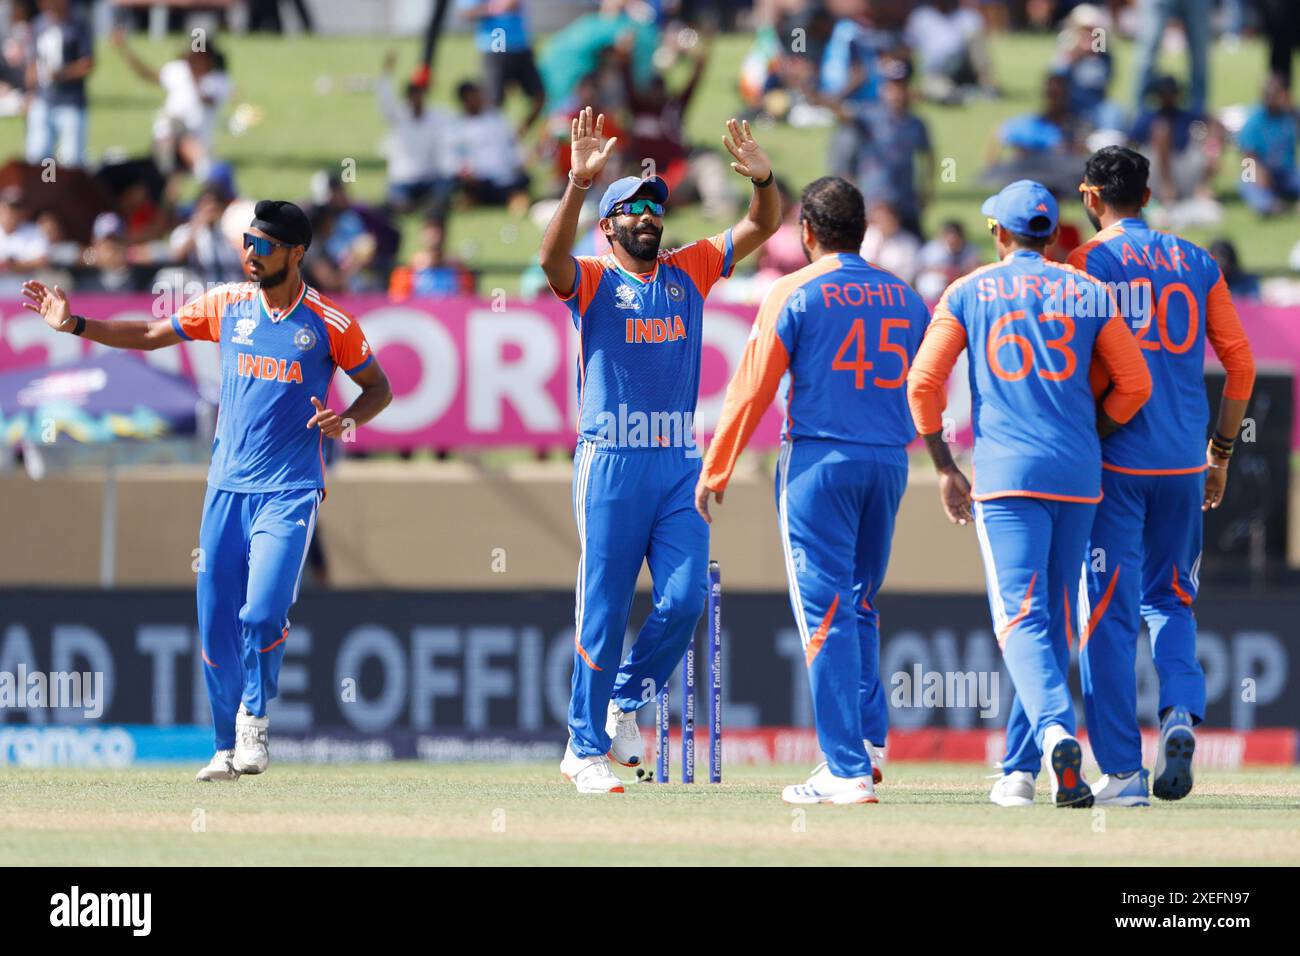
856	67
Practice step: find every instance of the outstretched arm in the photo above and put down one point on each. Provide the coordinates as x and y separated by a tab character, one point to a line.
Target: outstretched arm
587	158
138	66
764	216
52	305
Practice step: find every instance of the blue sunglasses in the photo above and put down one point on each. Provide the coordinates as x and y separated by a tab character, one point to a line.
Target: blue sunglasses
635	207
262	247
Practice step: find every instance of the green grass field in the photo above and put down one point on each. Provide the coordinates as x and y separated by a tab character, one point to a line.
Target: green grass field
319	109
423	814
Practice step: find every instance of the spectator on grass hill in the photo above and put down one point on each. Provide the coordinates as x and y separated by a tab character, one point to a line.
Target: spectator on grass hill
202	245
944	259
574	51
848	79
329	268
430	274
1084	60
353	221
1047	147
64	252
948	38
1184	149
485	157
23	247
897	162
108	257
14	44
501	35
419	163
1271	182
1241	284
60	58
196	88
1154	17
659	135
888	245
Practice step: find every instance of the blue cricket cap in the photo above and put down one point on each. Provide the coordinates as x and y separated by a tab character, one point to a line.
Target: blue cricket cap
629	186
1025	207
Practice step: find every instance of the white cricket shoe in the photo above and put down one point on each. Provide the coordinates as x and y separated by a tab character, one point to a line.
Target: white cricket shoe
221	767
1129	790
877	755
590	774
251	755
824	787
1064	763
1014	789
625	747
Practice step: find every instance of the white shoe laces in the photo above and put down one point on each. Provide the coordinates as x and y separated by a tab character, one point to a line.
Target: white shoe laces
625	725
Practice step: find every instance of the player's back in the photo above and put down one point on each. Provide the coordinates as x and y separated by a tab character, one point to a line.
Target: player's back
1163	286
1031	326
851	330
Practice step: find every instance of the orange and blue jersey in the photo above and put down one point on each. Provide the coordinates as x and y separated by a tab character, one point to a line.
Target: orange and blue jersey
272	364
1174	297
842	333
641	335
633	483
845	331
1032	329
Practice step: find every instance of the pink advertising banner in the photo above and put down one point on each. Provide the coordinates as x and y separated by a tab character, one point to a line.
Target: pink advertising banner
470	372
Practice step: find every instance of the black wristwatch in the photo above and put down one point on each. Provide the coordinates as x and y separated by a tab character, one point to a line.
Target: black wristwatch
80	327
771	175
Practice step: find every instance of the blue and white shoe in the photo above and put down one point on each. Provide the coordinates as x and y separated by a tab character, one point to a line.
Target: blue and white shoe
1127	790
1174	756
1065	770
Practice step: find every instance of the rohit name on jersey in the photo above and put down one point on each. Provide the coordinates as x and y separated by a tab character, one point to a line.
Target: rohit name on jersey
654	330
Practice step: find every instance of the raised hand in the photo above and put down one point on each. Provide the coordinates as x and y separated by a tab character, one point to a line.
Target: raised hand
587	157
750	159
50	304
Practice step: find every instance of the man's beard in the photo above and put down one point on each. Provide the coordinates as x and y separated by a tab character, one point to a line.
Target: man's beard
807	253
274	279
1096	223
643	248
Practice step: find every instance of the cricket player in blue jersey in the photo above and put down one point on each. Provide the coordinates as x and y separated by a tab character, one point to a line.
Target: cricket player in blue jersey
280	343
845	331
639	313
1033	332
1158	475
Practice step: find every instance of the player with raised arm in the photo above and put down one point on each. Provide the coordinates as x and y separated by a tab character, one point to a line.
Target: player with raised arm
1033	332
639	313
1158	475
280	343
846	332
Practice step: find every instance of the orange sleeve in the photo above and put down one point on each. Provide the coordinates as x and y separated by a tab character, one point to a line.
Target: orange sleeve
1127	369
749	394
200	318
705	260
590	269
1228	339
927	381
348	346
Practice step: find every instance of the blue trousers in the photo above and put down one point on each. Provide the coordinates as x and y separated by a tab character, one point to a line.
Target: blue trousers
1033	552
836	504
1144	563
252	550
632	505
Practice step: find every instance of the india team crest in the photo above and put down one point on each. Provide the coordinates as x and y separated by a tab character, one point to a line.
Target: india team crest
626	297
676	292
305	339
244	331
